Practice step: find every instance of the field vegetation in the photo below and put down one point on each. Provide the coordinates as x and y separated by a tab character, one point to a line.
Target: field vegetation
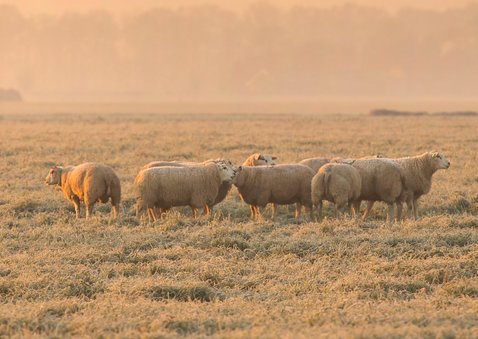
228	276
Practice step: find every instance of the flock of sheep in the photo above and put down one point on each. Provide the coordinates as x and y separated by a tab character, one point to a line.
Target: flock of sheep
161	185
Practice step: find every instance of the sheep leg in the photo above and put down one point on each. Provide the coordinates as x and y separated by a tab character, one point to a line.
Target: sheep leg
410	208
298	208
258	213
391	213
399	210
137	211
253	212
154	214
319	210
352	210
415	209
356	207
160	212
151	215
207	210
368	209
76	202
89	208
115	211
274	210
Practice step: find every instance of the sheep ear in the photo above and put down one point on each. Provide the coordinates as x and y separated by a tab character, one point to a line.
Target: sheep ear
435	154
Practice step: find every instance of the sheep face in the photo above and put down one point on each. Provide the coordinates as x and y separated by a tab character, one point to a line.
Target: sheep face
439	161
226	173
261	160
54	176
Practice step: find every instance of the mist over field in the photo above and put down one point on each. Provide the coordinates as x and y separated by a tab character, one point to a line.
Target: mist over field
263	51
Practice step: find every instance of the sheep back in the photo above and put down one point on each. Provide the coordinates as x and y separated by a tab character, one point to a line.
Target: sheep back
280	184
315	163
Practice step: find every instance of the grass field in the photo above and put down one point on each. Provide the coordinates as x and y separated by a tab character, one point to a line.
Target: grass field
227	276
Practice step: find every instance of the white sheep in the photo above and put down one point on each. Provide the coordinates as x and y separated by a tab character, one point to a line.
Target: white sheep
337	183
88	182
194	186
418	172
223	190
279	184
382	180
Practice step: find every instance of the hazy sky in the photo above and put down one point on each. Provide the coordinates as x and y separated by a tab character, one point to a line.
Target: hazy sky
133	52
59	6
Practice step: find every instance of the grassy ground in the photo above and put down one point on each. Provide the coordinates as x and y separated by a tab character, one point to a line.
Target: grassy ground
227	276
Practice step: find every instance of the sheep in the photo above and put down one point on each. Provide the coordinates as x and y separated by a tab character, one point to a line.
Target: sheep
382	180
279	184
418	172
223	189
194	186
337	183
258	159
376	156
88	182
315	163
